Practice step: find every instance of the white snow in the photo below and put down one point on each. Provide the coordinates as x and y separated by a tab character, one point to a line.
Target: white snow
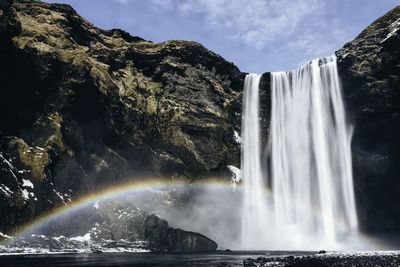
394	28
45	251
58	194
11	167
81	238
80	244
235	176
237	137
58	237
96	205
4	235
7	191
27	183
25	194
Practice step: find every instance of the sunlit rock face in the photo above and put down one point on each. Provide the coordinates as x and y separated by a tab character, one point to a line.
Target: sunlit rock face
82	108
369	67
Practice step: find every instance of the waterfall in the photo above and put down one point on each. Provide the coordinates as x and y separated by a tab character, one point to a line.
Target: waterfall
255	208
311	173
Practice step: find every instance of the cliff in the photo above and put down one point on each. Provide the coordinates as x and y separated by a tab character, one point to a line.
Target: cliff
369	67
82	108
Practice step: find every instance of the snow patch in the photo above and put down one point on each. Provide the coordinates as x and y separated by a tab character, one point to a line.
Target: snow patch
7	191
96	205
394	28
12	169
25	194
82	238
5	236
236	177
27	183
237	137
58	238
59	194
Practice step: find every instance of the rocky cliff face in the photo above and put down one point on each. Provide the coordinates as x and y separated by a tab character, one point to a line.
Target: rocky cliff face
82	107
369	67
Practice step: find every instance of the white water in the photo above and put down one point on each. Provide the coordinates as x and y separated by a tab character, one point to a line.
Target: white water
311	174
255	208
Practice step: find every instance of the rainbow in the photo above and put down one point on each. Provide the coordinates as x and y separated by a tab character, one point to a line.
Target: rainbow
111	192
137	186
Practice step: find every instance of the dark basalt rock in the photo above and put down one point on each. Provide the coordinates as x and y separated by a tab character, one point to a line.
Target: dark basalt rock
125	222
9	24
369	67
82	108
120	221
265	117
265	106
185	241
328	260
137	225
176	240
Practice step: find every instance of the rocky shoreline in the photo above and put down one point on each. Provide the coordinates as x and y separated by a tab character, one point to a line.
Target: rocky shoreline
331	259
219	258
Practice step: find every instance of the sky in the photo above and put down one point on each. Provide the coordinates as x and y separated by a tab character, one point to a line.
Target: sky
256	35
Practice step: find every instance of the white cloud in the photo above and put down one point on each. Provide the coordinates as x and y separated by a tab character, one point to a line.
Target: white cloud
256	23
121	1
263	34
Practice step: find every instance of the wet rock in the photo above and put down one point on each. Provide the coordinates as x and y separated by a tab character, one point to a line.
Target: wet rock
179	240
129	223
367	259
369	67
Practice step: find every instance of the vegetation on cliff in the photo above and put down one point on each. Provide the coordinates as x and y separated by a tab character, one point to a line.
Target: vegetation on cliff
82	107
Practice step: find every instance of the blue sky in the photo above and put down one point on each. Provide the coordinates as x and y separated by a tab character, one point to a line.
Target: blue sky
256	35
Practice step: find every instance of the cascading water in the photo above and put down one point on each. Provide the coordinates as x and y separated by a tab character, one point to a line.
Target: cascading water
311	174
255	208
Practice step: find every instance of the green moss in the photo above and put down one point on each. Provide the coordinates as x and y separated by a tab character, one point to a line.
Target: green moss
35	159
